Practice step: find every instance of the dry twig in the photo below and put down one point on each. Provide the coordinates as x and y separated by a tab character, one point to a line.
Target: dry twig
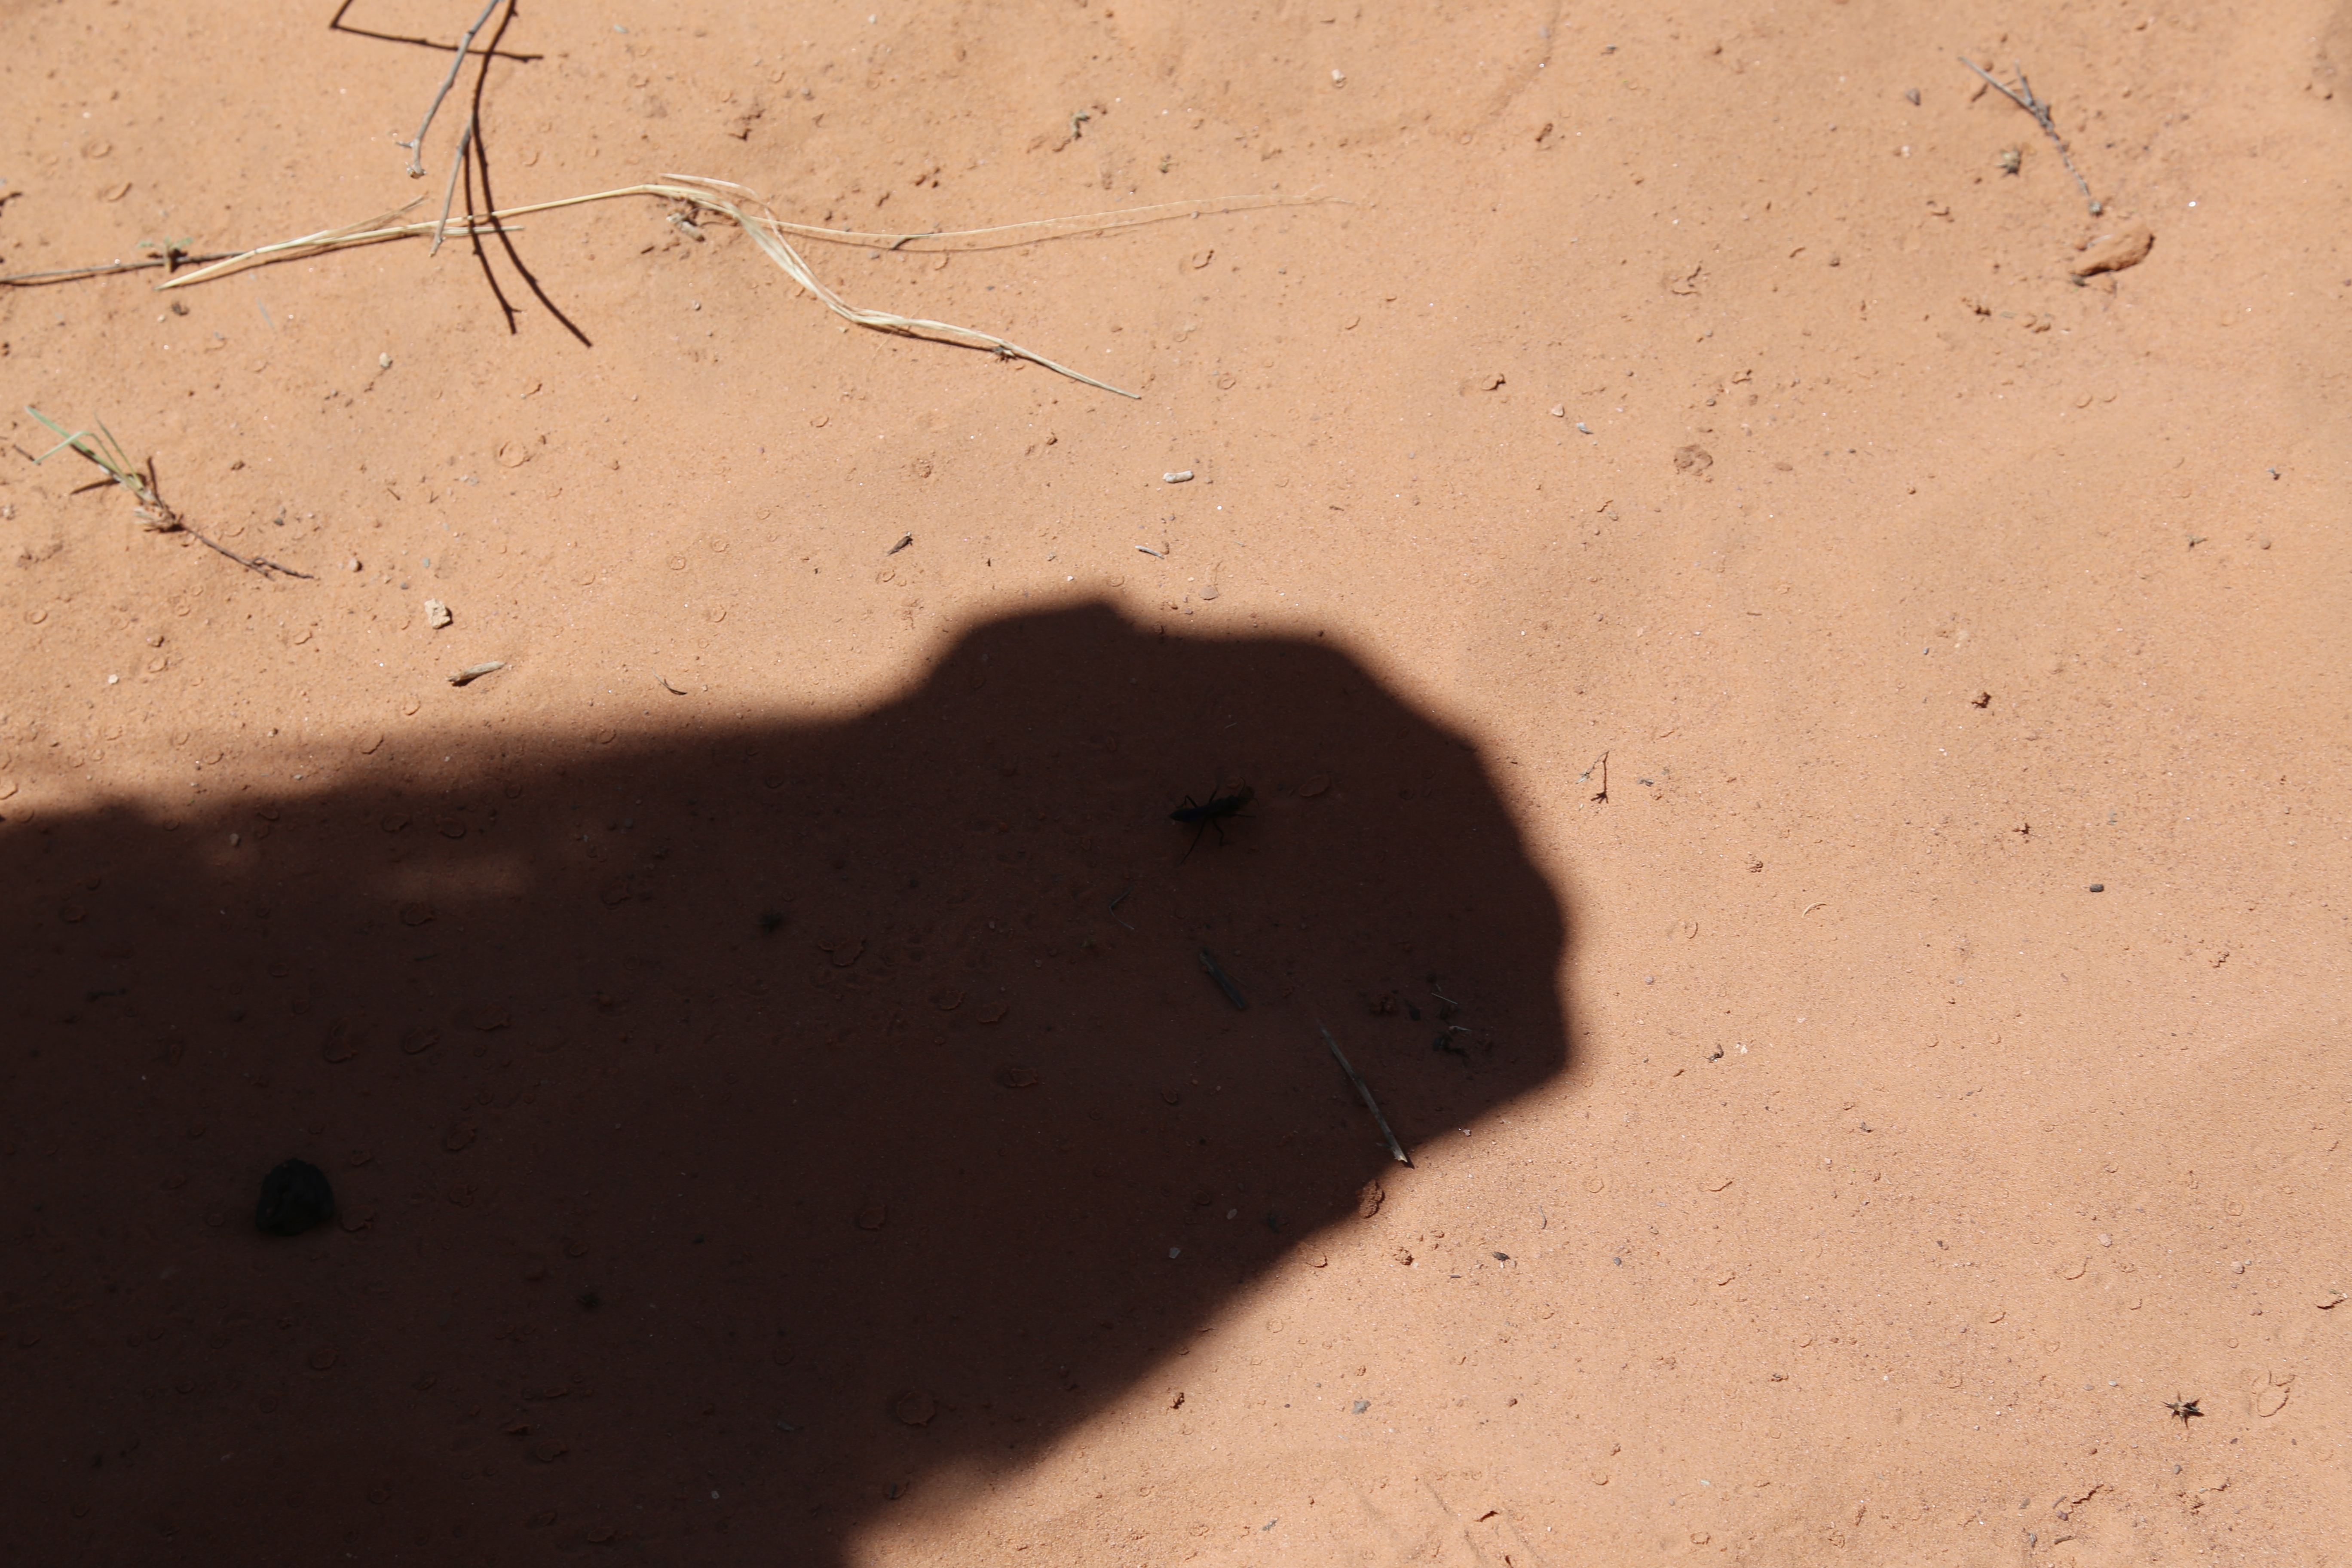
1355	1077
465	47
2022	96
1224	981
69	274
768	231
457	167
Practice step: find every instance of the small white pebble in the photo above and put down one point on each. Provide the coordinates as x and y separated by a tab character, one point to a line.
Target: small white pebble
384	362
2105	1240
114	680
1175	1251
1581	424
1176	478
2237	1268
1559	410
1338	78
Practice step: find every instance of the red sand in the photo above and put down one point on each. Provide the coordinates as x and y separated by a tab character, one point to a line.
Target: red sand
1701	594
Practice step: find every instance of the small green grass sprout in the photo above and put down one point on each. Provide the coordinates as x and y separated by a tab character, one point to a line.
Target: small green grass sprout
101	447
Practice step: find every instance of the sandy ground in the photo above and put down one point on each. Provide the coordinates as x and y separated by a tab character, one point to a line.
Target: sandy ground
1797	743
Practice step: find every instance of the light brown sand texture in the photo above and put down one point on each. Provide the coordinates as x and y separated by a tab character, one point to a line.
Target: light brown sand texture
1788	680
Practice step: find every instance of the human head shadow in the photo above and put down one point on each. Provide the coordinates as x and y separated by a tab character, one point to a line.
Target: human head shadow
735	1126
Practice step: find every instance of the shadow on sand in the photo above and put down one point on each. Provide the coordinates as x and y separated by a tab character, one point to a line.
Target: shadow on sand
733	1127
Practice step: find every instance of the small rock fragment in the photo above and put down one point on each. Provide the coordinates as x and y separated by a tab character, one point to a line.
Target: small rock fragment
436	613
2126	247
474	672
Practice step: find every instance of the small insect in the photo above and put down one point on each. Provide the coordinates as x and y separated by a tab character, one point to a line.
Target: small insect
1202	817
2184	1408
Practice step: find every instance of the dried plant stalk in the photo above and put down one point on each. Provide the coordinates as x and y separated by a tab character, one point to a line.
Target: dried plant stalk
769	233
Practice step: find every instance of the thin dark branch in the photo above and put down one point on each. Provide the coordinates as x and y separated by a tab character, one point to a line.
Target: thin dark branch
261	564
477	166
335	25
481	167
2022	96
465	46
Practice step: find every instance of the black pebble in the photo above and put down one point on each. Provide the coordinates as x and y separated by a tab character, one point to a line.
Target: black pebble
2098	887
294	1197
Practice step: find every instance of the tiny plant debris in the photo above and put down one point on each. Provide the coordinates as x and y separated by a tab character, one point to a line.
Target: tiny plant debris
2022	96
2183	1408
101	448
